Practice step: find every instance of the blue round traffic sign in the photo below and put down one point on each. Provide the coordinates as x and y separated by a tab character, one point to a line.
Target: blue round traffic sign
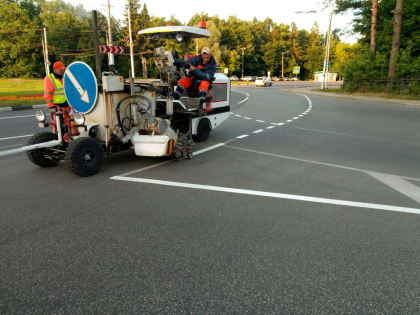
80	87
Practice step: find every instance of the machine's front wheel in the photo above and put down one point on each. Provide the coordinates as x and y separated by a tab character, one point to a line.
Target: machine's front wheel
84	156
39	156
203	130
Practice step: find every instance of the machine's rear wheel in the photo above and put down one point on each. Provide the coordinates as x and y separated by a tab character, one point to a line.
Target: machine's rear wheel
203	130
84	156
38	156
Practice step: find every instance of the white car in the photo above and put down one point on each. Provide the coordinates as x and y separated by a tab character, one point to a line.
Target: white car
263	81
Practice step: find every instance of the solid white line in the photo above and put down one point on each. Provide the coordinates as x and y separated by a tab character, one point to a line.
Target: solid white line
16	137
271	194
11	117
262	121
209	148
147	168
314	162
258	131
309	100
401	185
13	145
243	100
271	127
243	136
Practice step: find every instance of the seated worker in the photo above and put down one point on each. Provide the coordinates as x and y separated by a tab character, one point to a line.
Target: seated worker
202	67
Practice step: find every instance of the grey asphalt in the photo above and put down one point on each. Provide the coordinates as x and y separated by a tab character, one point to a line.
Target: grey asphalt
97	245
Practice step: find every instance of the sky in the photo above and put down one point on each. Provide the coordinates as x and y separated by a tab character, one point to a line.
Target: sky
280	11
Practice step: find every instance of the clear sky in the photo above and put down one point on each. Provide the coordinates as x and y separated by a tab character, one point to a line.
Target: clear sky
280	11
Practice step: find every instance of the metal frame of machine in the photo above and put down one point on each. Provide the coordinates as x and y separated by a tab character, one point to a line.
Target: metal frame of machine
131	114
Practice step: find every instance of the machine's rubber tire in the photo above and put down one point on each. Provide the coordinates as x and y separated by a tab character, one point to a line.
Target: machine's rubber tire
37	156
190	155
203	130
84	156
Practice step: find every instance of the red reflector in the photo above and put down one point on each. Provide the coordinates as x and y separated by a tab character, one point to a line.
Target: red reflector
202	24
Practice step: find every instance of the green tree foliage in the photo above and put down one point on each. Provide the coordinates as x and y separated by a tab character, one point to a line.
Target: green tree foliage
363	65
254	46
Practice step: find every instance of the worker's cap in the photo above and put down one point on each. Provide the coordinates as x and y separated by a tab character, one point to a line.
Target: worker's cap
59	65
206	50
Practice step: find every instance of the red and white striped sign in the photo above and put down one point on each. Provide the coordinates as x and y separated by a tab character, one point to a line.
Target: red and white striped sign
111	49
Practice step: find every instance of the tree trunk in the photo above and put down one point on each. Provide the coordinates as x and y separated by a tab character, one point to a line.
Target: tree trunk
395	38
144	66
373	26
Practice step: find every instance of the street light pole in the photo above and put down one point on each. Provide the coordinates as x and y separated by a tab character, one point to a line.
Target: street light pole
243	52
282	63
111	61
327	57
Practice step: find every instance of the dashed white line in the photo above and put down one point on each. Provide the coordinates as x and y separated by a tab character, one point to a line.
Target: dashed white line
289	120
258	131
247	118
271	127
261	121
238	115
243	136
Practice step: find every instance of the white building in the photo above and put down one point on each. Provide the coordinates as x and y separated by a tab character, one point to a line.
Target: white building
319	76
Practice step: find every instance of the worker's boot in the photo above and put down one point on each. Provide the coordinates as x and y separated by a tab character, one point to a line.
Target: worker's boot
176	95
202	100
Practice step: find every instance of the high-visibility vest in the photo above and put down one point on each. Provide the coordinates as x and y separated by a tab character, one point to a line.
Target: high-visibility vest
59	97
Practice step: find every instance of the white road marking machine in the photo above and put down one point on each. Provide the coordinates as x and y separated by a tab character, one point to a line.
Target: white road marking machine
120	114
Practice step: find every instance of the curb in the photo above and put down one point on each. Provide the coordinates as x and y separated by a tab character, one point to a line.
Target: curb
19	108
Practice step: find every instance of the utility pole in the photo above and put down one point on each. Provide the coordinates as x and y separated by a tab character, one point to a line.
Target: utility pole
133	75
282	62
111	61
243	52
327	57
47	62
96	44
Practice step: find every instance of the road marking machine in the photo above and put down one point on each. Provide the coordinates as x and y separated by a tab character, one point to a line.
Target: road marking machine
120	114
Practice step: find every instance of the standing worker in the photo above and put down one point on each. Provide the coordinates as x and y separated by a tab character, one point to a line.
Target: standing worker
203	67
53	87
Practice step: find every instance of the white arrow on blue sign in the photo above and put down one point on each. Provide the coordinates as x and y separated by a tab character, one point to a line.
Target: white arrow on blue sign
80	87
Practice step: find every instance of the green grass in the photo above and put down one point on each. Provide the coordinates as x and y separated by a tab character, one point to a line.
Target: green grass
373	94
21	87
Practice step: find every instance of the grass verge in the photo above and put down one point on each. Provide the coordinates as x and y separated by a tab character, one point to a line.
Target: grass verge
21	92
372	94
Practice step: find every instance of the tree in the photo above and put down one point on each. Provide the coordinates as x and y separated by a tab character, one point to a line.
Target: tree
395	38
373	28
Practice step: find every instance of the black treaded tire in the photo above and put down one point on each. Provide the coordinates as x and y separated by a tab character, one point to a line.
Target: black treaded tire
203	130
84	156
37	156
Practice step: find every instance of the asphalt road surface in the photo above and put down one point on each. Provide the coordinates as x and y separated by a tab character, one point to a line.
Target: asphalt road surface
296	204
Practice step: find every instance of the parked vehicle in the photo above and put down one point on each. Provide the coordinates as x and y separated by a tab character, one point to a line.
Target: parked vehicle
234	78
263	81
294	79
248	78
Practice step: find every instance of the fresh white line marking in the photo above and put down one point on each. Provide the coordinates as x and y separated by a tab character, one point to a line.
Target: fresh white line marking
401	185
271	127
209	148
280	124
243	100
238	115
246	118
231	113
243	136
270	194
295	118
170	161
258	131
15	137
10	146
314	162
289	120
262	121
11	117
